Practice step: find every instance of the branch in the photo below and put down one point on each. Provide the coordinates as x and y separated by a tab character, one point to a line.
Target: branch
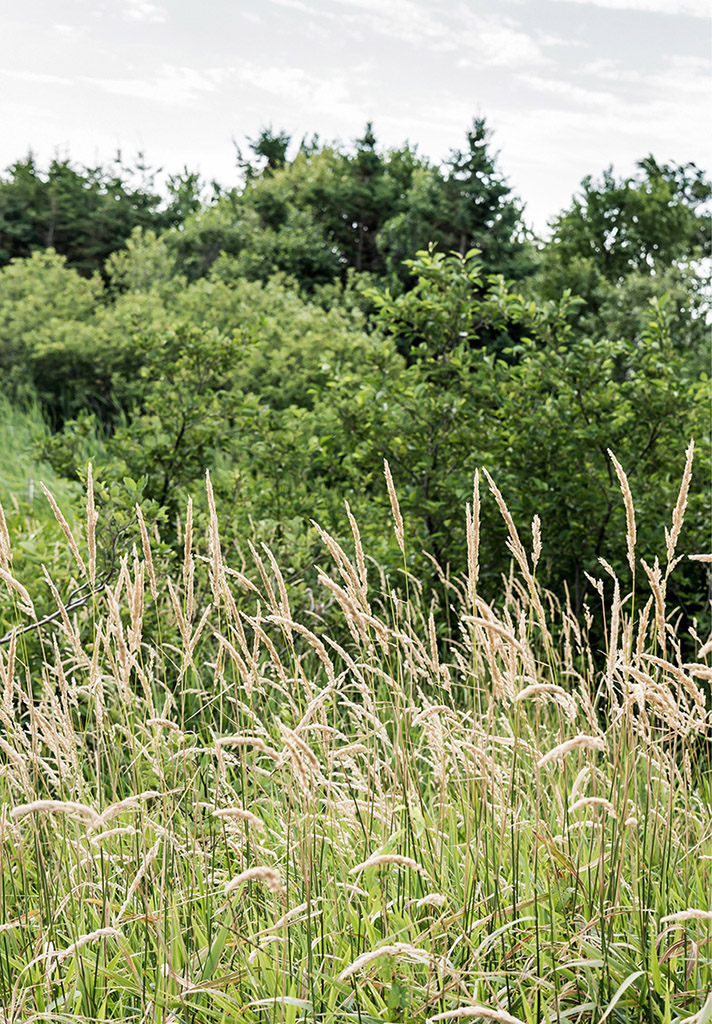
80	601
72	606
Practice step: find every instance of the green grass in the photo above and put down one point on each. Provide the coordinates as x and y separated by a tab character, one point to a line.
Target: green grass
235	735
20	469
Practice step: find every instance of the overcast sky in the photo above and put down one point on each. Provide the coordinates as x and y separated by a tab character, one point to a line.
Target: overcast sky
569	86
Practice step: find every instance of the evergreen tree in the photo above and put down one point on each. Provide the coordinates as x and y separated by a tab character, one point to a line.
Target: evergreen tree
85	213
466	206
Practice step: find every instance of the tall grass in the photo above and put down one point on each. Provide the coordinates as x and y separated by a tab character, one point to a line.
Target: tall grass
234	816
20	469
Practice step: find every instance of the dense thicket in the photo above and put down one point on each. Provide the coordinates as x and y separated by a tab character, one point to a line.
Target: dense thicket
350	304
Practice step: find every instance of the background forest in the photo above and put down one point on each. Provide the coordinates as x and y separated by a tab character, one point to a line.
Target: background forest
349	305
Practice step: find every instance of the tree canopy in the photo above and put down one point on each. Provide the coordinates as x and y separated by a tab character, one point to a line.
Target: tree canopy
86	213
643	223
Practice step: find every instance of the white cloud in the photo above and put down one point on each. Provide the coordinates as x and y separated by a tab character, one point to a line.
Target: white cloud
489	40
321	94
685	76
560	107
144	10
556	145
36	77
299	5
176	86
695	8
499	42
70	32
571	94
611	71
406	20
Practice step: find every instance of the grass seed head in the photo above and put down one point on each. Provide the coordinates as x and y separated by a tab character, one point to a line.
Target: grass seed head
402	950
629	510
261	873
383	859
484	1012
579	742
395	507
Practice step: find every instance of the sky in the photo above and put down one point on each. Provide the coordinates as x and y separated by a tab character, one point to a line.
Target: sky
568	87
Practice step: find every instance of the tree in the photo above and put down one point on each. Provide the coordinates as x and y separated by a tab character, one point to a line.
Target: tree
481	209
47	313
654	219
561	407
427	398
185	197
85	213
540	413
349	195
452	305
332	210
269	148
624	247
371	196
22	214
466	205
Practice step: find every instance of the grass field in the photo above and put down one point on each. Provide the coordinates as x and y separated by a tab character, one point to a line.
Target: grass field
213	808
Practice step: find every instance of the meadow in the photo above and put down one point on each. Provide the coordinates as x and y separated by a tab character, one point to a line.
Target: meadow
391	802
352	728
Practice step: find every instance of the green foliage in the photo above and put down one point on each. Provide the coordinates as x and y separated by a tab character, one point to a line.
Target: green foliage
428	399
582	398
85	213
452	306
551	401
289	336
475	209
225	373
179	416
38	539
643	223
283	238
144	262
46	310
269	148
330	210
